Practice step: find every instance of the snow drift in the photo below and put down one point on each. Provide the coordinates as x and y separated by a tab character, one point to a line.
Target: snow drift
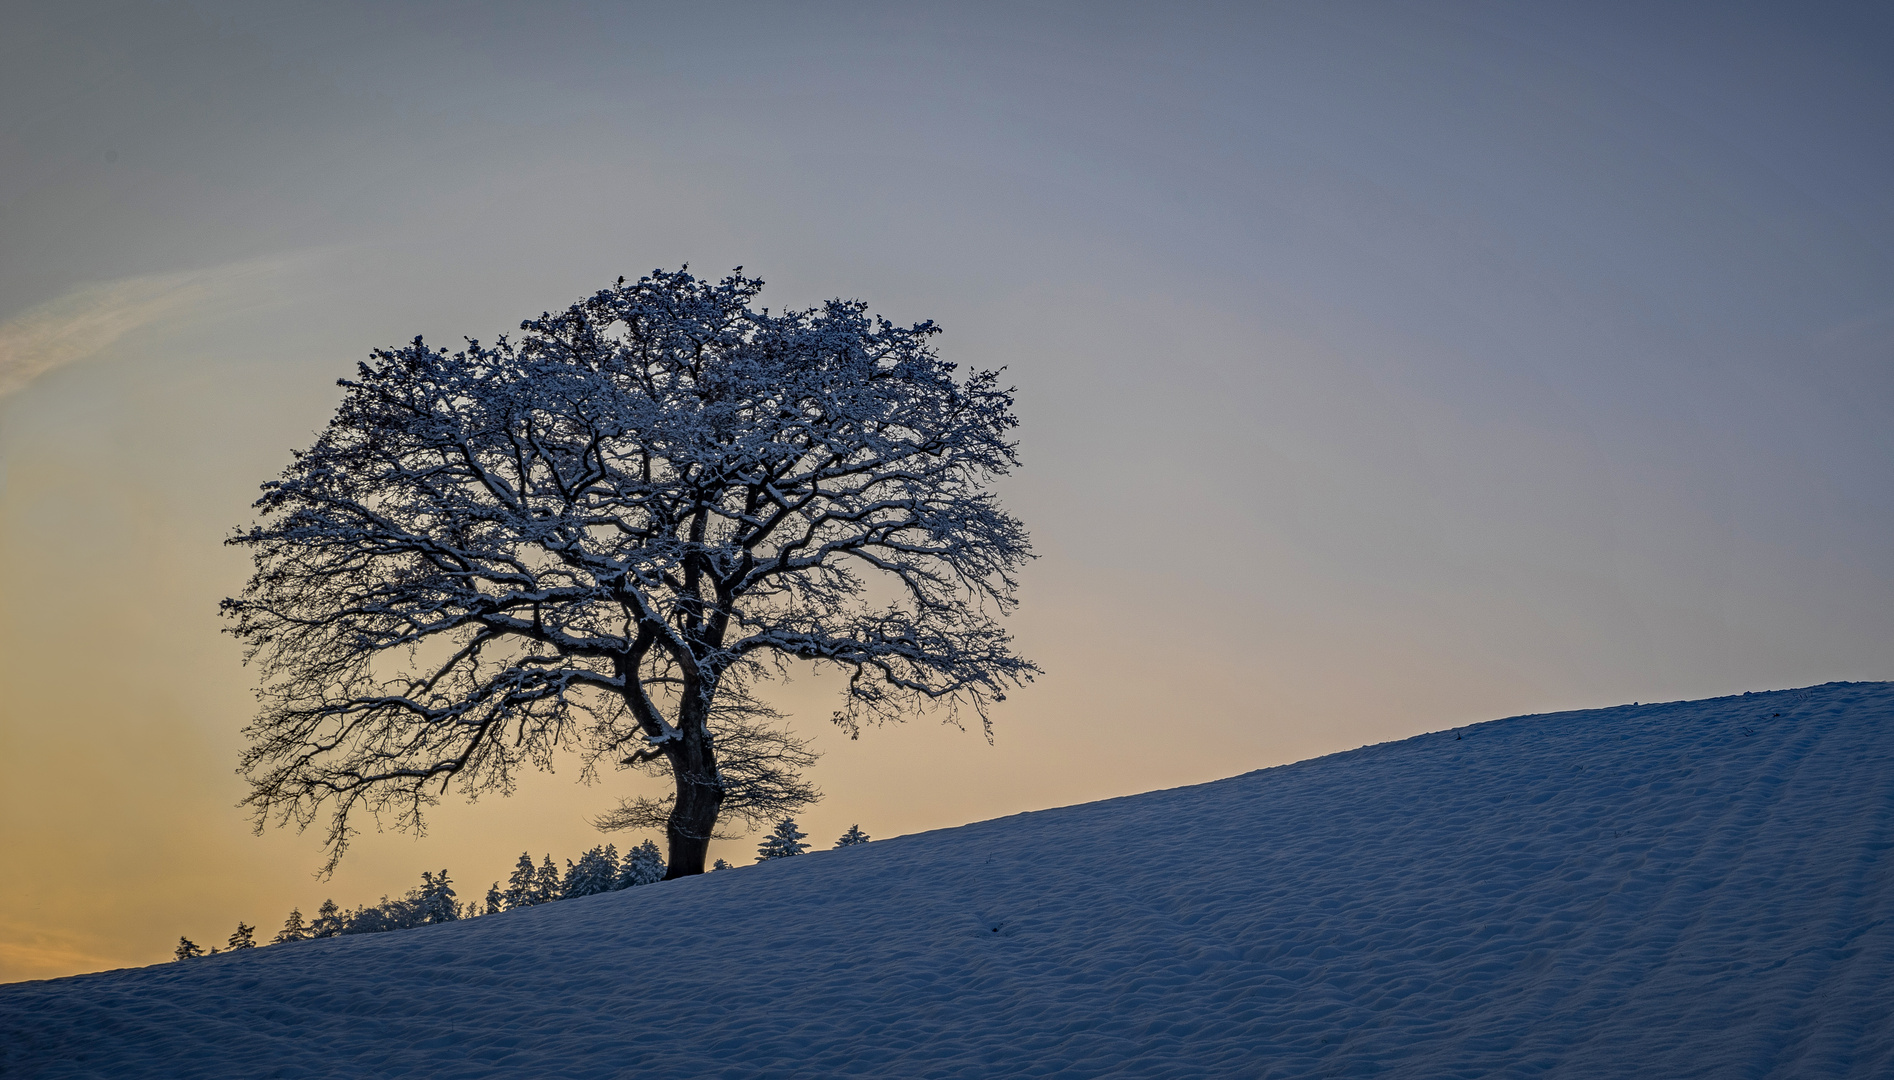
1690	889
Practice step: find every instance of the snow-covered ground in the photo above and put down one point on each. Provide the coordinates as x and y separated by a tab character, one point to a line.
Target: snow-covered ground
1689	889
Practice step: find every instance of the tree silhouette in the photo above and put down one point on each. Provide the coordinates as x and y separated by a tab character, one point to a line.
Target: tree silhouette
522	885
643	865
293	929
783	841
598	537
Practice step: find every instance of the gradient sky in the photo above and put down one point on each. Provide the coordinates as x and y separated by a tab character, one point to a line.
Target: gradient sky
1382	367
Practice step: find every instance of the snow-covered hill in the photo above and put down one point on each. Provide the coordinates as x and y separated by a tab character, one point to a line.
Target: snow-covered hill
1692	889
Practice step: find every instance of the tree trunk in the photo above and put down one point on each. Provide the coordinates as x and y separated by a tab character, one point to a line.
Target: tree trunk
692	819
699	793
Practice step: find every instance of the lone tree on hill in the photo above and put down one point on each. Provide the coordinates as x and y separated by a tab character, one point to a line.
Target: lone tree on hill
599	536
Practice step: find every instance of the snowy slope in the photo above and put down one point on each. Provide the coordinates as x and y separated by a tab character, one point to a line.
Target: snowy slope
1692	889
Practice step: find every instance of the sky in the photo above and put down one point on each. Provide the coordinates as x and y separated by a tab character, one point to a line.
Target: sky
1381	368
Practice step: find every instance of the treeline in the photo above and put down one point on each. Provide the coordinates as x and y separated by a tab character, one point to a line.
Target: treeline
434	900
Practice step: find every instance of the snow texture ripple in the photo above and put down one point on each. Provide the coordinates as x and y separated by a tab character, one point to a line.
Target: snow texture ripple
1679	890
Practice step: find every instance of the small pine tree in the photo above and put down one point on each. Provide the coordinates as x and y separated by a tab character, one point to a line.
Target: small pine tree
519	886
496	900
546	883
721	865
293	929
329	921
187	948
595	872
434	901
643	865
785	840
243	937
853	836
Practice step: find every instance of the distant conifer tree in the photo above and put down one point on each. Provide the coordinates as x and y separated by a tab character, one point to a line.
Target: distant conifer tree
519	886
243	937
329	921
643	865
721	865
434	901
496	900
853	836
595	872
366	919
187	948
546	883
785	840
293	929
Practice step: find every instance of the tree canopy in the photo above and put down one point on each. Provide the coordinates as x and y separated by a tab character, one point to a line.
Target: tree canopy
602	535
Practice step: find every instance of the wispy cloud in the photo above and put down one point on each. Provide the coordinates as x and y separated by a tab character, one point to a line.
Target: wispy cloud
86	320
28	953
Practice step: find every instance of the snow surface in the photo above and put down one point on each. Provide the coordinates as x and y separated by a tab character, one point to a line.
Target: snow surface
1689	889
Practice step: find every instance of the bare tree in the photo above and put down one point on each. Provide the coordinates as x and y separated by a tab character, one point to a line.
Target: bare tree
598	537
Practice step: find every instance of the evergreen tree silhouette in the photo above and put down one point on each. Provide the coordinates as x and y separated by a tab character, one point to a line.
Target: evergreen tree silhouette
643	865
329	921
785	840
293	928
546	883
519	886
